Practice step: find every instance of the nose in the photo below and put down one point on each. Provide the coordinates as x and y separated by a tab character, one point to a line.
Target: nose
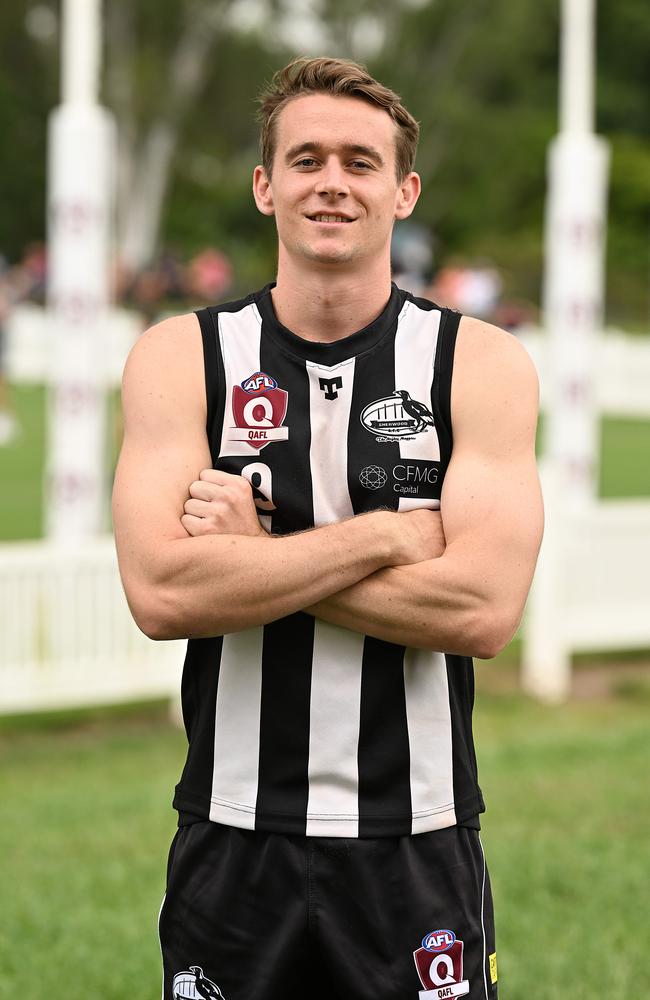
331	180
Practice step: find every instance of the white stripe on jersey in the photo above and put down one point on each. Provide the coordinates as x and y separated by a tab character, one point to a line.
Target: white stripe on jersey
338	654
328	454
429	726
415	355
425	672
239	692
333	807
237	729
239	334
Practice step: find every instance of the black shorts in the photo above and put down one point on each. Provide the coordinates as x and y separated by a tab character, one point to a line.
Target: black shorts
250	915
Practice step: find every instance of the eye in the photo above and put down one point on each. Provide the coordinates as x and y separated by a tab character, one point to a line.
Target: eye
306	161
361	165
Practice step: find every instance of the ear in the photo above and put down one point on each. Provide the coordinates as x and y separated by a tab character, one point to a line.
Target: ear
407	195
262	191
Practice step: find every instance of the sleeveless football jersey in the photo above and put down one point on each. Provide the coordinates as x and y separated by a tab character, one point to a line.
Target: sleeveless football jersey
300	726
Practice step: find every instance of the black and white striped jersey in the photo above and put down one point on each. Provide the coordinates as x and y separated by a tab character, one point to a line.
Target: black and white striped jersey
300	726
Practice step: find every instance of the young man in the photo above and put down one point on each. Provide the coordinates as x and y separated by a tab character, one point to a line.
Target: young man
286	475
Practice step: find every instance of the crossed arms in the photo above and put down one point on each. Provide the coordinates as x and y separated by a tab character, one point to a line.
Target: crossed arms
454	580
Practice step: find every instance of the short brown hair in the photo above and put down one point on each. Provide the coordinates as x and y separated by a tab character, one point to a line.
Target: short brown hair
339	77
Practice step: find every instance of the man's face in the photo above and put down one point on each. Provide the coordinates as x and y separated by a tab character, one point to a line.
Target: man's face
334	191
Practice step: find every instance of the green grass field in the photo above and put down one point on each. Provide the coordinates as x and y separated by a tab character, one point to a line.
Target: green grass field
87	821
87	824
625	469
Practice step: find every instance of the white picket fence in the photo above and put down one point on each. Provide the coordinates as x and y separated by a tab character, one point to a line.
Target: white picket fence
591	591
67	638
622	368
31	343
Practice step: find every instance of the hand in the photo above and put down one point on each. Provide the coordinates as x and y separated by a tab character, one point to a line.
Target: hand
221	504
418	535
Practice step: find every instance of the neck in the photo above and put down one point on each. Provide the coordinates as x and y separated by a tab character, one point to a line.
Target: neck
326	306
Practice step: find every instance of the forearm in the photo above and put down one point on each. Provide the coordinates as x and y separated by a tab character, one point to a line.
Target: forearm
427	605
216	584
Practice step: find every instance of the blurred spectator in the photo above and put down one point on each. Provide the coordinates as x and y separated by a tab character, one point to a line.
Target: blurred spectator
173	274
29	276
209	275
168	281
165	283
471	289
515	313
411	254
8	421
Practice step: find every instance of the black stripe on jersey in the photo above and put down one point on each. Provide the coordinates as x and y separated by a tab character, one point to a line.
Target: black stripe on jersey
199	695
203	656
215	381
384	762
441	399
460	669
283	784
291	480
284	742
374	378
468	799
383	753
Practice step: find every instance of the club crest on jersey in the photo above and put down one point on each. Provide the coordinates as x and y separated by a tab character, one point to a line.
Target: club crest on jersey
193	985
439	963
396	416
258	408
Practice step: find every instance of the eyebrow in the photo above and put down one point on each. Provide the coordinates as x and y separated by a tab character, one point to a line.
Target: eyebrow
315	147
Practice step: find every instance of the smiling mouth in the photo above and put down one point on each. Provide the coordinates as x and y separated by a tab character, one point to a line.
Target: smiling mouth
323	217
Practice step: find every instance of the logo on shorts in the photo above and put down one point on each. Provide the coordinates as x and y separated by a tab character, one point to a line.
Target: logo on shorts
396	416
438	940
193	985
259	408
439	963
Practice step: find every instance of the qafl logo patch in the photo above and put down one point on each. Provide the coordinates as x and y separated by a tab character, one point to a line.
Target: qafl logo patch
396	416
193	985
439	963
259	407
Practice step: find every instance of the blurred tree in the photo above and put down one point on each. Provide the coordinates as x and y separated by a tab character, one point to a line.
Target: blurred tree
182	75
28	89
159	59
163	62
482	79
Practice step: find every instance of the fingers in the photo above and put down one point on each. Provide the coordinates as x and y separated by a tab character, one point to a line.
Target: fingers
213	480
202	491
199	508
221	478
194	525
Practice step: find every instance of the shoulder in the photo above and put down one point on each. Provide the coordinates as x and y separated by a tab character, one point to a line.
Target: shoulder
480	346
484	351
173	335
171	347
166	364
494	379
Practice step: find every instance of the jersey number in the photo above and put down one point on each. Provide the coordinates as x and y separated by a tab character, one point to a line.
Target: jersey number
259	476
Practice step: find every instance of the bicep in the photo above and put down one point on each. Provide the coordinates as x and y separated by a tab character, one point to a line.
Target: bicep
492	517
491	502
164	449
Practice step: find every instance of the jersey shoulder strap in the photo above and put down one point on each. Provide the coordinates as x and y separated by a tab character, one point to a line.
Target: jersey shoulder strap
444	365
215	379
213	368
